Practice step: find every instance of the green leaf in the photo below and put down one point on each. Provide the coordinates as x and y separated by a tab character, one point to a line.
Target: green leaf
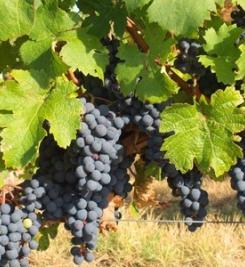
241	63
155	86
204	133
43	242
240	2
220	2
66	4
222	53
17	18
135	4
141	75
31	105
50	20
223	68
3	175
60	101
159	49
154	170
106	13
20	146
9	54
46	233
180	17
39	56
85	52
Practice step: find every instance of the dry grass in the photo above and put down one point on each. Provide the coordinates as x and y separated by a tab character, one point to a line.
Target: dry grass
154	245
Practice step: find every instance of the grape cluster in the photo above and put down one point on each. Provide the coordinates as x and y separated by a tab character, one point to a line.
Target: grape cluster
193	199
18	227
147	118
75	184
237	174
110	81
238	183
187	60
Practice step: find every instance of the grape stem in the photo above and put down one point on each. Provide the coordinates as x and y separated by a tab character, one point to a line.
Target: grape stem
102	99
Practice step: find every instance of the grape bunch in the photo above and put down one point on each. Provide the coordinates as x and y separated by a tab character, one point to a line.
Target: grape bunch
110	81
238	183
237	174
75	184
187	60
18	227
193	199
147	118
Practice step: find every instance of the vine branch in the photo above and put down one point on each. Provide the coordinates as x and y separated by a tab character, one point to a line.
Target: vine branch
71	77
175	77
135	33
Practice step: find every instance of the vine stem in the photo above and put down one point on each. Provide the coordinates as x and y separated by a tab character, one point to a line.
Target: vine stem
135	33
185	86
71	77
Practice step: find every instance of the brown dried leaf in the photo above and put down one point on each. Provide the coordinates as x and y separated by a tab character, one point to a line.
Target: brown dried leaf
226	11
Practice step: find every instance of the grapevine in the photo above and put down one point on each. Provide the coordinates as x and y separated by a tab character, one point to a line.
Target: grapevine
98	97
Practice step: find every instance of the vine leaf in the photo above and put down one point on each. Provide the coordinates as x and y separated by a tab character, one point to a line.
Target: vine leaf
85	52
160	49
39	55
204	132
9	54
139	73
240	2
63	111
30	105
106	13
50	20
45	234
135	4
241	63
3	175
181	17
17	18
29	17
222	53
